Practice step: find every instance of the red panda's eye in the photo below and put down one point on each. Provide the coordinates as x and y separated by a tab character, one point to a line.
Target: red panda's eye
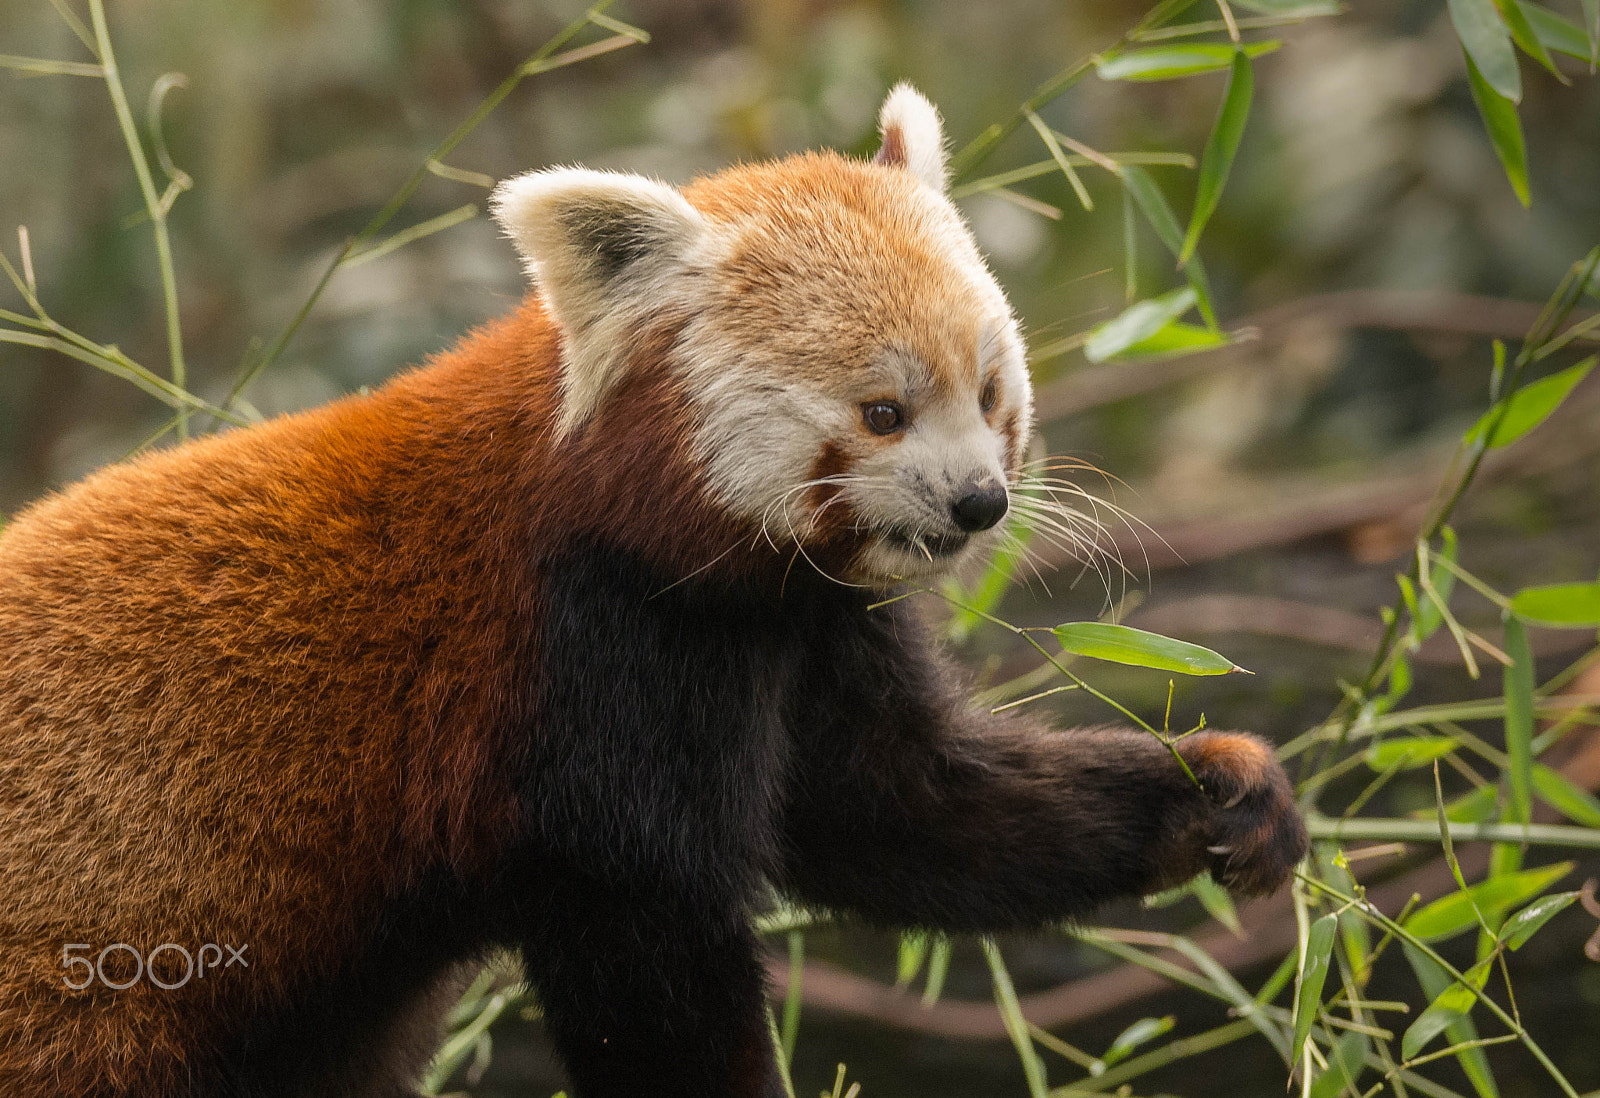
883	417
990	394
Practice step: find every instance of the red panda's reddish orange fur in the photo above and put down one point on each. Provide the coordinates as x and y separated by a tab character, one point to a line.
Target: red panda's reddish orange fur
399	630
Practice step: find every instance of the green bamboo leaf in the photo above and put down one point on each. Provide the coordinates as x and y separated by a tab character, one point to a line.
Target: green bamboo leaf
1142	1031
1591	28
1400	680
1169	896
1526	923
1575	605
1530	406
938	968
1444	584
1575	804
1170	62
1137	322
1505	131
1487	40
913	949
1221	147
45	66
1557	33
1313	972
1346	1060
1474	807
1435	981
1408	595
1450	915
1218	904
1158	212
1059	155
1523	34
1153	204
1408	752
1448	1009
1122	644
1517	682
1176	338
1302	8
1005	996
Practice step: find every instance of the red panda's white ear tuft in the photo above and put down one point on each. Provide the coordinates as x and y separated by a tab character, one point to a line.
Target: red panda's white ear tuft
605	250
913	137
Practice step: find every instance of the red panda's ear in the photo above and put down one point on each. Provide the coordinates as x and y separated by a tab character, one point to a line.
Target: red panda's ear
913	137
604	250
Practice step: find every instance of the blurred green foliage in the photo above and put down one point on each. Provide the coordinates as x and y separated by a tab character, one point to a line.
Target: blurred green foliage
1388	149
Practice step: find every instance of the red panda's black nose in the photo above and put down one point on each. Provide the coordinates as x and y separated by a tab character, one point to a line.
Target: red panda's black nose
980	508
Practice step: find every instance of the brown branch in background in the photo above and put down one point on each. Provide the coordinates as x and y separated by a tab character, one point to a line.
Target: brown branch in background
1298	508
1458	314
1282	510
1268	927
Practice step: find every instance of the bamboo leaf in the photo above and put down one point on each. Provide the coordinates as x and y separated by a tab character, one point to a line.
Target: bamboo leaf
1557	33
1474	807
938	967
1526	38
1142	1031
1435	981
1060	157
1450	915
1122	644
1171	340
1153	204
1136	323
1444	584
1575	605
1408	752
1171	62
1221	147
1575	804
1285	8
913	949
1345	1062
793	997
1505	131
1517	680
1313	973
1487	40
1218	904
1526	923
1005	995
1530	406
1448	1009
46	66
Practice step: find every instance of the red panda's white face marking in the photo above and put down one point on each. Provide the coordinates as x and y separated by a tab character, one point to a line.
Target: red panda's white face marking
855	372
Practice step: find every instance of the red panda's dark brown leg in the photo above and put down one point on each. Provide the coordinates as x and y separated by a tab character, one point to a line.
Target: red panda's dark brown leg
911	809
646	994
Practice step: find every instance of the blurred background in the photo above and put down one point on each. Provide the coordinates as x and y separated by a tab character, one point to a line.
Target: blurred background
1367	238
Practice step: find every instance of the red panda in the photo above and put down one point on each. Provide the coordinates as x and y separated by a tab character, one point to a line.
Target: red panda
566	642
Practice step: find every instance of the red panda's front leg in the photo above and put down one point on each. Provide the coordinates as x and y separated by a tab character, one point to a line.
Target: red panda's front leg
912	809
646	993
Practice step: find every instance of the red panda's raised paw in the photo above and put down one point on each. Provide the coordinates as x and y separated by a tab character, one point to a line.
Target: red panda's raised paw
1253	833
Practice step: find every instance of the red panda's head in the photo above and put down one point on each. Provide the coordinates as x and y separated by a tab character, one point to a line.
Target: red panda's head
854	372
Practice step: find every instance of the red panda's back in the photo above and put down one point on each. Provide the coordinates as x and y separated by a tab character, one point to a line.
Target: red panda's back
245	686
